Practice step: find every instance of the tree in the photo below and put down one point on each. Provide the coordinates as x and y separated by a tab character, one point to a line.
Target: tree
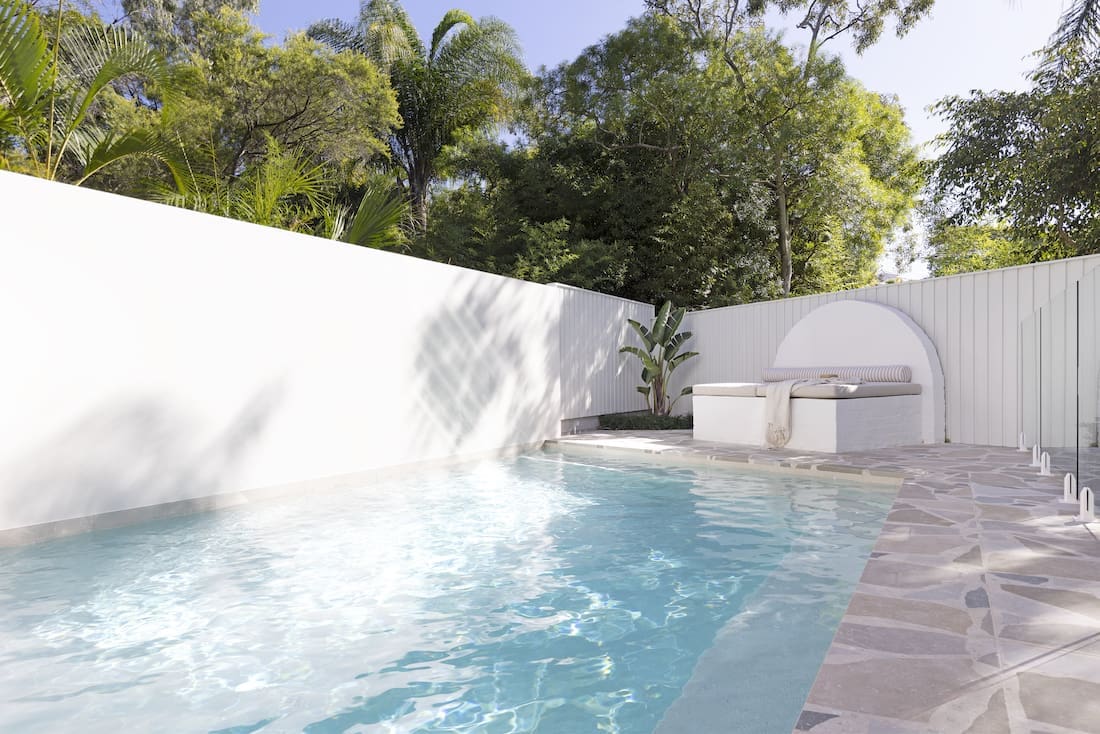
1027	161
624	185
720	25
170	25
242	92
462	81
853	181
965	249
645	179
50	89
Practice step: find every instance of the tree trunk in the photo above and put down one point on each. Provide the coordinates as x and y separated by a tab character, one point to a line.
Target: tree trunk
784	226
418	199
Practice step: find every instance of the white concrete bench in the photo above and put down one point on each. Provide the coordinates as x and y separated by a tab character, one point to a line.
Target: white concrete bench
903	406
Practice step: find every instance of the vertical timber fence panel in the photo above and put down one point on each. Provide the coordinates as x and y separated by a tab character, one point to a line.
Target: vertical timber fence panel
973	319
595	378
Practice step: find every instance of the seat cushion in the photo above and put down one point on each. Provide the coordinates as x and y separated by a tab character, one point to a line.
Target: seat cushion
728	389
840	391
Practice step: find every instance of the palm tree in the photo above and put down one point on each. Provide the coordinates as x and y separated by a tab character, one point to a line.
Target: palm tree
285	189
463	81
47	94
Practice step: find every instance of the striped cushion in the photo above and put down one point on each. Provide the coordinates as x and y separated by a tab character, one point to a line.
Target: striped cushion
883	373
726	389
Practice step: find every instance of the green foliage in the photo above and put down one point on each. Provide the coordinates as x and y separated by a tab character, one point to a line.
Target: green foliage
284	189
170	25
782	99
659	182
853	183
26	74
507	219
660	356
1027	161
966	249
241	91
379	220
644	422
50	96
683	158
464	81
1078	32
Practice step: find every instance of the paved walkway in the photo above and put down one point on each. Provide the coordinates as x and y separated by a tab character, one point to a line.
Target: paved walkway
979	608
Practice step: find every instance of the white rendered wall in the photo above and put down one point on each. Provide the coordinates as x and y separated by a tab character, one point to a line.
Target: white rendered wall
973	320
861	333
153	354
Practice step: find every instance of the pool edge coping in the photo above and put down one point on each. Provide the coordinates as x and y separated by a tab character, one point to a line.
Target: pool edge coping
823	469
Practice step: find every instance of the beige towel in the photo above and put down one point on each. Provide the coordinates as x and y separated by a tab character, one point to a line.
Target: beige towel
777	412
777	407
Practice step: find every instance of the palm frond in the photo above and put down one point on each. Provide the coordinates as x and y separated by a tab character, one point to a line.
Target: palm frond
264	194
97	149
334	221
337	34
476	73
388	33
1078	31
377	221
486	50
283	190
26	72
113	54
450	20
1079	24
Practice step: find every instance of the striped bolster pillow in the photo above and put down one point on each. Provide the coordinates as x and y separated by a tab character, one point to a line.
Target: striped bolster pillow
882	373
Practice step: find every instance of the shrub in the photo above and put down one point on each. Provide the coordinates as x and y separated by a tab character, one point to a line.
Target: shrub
644	421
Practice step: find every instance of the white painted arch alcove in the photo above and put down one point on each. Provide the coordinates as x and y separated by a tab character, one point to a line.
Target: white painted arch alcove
859	333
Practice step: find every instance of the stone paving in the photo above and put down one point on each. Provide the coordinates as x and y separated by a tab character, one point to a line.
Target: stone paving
979	608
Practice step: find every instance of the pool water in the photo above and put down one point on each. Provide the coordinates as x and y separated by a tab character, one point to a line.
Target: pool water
547	593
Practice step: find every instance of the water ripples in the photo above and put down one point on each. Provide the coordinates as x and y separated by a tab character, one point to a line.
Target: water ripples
538	594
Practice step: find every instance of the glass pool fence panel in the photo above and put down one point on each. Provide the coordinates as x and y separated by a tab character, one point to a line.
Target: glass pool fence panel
1058	380
1088	380
1029	379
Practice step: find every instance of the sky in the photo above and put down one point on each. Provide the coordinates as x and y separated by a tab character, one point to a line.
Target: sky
962	45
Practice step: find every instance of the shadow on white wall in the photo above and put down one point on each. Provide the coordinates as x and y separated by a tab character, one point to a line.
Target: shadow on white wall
131	451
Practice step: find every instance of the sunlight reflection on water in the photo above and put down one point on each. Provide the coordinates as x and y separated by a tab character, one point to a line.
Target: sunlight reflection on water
543	593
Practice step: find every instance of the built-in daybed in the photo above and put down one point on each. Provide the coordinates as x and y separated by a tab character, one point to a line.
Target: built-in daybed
859	376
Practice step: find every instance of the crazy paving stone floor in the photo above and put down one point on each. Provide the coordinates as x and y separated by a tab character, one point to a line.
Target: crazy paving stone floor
979	608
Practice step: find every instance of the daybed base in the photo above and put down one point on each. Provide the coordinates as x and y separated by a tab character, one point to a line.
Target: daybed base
840	423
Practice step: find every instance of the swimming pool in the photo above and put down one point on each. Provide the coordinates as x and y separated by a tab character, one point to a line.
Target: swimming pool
550	592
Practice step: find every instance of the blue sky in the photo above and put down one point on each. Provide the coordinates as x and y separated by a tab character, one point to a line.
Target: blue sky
963	45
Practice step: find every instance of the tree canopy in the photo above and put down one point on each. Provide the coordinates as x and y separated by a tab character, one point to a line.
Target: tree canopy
645	175
779	111
695	155
1026	163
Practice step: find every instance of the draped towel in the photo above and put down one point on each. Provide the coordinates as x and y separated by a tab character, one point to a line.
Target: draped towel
777	407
